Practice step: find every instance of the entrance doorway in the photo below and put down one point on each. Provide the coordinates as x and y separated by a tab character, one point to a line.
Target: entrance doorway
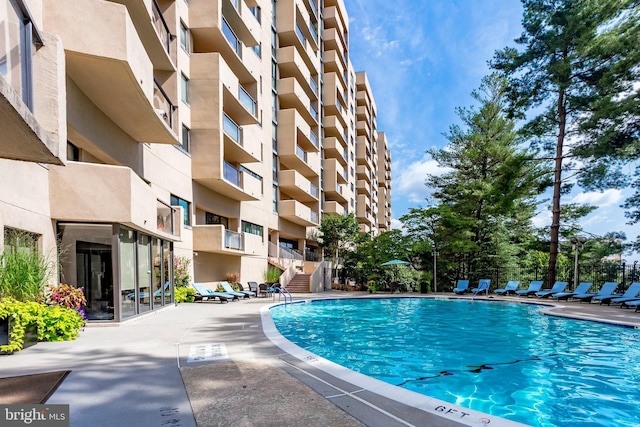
95	275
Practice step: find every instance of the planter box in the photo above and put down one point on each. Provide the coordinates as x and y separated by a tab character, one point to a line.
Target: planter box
30	336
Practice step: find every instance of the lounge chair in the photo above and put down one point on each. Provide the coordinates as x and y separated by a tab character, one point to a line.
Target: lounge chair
462	287
253	287
582	288
630	304
555	289
208	293
509	289
249	292
631	294
606	289
229	290
483	286
534	286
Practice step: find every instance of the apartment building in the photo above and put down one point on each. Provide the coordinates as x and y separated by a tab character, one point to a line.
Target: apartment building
133	132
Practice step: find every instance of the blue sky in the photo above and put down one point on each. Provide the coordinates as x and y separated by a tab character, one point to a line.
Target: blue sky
423	58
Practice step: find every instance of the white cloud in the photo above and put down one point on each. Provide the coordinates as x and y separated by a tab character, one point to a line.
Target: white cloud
408	180
611	197
396	224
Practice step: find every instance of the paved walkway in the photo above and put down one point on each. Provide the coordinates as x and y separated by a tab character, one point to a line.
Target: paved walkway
211	364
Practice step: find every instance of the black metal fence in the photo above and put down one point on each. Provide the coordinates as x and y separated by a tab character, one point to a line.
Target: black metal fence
623	274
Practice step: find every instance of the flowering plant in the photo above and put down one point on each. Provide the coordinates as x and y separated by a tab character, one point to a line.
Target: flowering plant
66	296
181	270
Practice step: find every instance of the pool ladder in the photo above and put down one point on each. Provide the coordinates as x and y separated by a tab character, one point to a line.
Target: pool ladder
284	292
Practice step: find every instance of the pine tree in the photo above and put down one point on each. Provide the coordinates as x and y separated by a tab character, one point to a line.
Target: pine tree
567	77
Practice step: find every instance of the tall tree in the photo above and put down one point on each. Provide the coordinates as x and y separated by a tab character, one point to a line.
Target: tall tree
337	232
490	188
569	61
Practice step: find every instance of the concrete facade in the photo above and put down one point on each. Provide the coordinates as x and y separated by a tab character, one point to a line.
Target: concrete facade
219	130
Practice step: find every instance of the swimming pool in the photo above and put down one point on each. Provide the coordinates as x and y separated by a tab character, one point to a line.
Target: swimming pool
503	359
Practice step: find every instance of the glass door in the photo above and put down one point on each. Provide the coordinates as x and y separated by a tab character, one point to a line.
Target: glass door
94	274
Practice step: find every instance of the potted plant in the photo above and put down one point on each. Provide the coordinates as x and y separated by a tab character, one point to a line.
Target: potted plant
272	275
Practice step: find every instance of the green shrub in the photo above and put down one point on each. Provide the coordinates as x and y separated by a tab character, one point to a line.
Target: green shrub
272	275
55	323
21	315
185	294
23	274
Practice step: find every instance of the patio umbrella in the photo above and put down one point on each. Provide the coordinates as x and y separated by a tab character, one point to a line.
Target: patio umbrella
395	262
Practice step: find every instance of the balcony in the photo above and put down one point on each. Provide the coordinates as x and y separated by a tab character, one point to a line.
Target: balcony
218	240
22	137
297	186
333	40
333	168
116	76
336	208
293	129
364	172
292	95
296	212
154	32
216	27
334	63
292	156
335	192
333	128
334	149
212	166
294	30
363	187
89	192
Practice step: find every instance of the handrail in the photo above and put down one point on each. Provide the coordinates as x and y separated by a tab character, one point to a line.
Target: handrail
284	292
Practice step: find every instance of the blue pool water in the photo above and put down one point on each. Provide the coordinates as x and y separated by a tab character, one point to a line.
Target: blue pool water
504	359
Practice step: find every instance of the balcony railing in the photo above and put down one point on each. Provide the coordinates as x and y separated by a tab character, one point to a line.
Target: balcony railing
314	32
236	4
314	85
314	138
314	216
161	26
301	36
313	111
314	191
301	153
314	8
233	240
247	100
231	37
162	104
232	129
231	174
165	215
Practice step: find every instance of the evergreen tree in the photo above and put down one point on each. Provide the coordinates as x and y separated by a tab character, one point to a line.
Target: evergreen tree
486	199
490	189
574	76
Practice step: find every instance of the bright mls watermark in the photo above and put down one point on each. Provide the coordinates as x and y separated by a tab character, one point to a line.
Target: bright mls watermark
34	415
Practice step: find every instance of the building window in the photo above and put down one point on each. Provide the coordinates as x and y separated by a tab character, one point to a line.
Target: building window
186	208
186	138
257	12
20	241
275	168
251	228
20	39
185	38
184	88
275	199
213	219
73	152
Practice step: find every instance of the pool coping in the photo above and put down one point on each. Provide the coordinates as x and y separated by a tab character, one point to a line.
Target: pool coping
429	406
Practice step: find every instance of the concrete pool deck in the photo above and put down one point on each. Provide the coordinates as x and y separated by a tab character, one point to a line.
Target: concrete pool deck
212	364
